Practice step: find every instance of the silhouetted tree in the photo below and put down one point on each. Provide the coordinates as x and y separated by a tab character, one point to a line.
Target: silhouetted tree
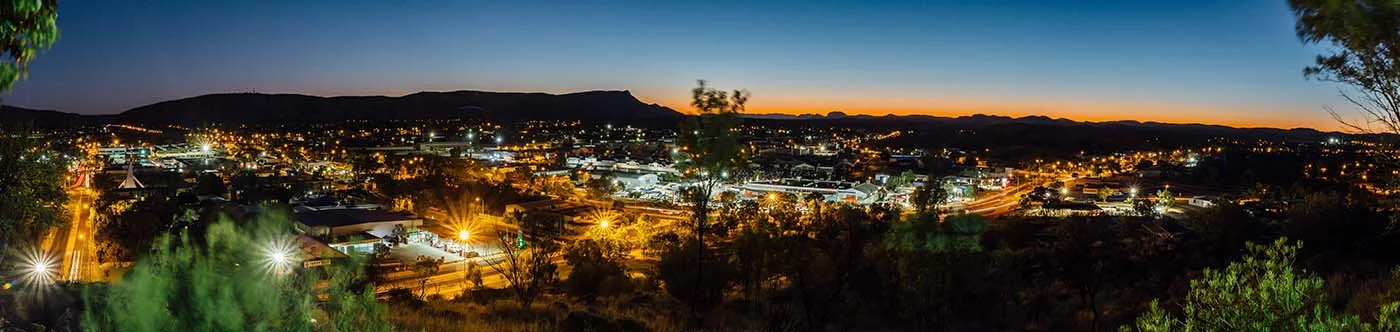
1223	229
1088	256
928	197
528	270
209	184
1330	222
1364	53
677	270
595	273
712	151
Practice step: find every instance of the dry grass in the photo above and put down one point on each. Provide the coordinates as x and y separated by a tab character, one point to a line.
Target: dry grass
547	314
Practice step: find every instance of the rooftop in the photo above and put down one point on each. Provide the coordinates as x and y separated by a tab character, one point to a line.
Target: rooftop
345	217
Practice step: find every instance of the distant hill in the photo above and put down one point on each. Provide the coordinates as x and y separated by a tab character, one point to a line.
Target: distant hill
595	106
620	107
11	115
256	108
1033	134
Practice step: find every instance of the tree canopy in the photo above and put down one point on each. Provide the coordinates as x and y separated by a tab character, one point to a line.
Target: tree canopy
1261	292
1365	53
27	27
233	278
33	197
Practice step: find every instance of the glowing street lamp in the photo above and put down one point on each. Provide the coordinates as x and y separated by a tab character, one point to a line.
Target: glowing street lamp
279	256
464	235
37	268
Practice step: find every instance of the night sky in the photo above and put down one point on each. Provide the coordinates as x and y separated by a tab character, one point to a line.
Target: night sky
1234	62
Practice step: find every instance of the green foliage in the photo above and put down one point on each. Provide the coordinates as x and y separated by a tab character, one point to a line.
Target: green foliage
928	197
1165	199
32	197
27	27
126	234
1104	193
1261	292
902	179
923	232
600	187
225	281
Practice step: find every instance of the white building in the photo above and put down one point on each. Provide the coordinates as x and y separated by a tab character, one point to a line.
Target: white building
1204	201
636	180
830	190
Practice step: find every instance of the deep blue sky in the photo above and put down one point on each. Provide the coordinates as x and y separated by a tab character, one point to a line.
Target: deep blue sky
1234	62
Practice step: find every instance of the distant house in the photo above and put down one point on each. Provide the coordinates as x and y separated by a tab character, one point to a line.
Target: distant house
1204	201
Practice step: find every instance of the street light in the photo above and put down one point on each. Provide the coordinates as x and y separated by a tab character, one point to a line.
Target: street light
463	235
37	268
279	256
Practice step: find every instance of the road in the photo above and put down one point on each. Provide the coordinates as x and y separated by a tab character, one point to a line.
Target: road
449	283
1002	202
74	241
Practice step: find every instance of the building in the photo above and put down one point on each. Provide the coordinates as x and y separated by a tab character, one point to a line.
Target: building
354	230
314	253
831	190
566	210
1203	201
636	180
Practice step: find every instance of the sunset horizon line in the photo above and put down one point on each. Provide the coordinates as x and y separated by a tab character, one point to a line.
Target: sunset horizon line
963	110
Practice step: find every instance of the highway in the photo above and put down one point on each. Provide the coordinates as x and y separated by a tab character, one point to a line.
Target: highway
78	248
1001	202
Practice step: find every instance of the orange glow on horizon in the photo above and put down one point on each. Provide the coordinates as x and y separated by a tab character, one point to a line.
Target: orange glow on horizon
1285	117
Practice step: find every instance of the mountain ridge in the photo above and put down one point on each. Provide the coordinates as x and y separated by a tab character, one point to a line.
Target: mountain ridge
610	106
